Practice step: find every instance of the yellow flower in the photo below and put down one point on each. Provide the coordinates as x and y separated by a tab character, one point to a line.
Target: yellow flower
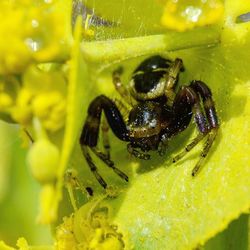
50	108
31	32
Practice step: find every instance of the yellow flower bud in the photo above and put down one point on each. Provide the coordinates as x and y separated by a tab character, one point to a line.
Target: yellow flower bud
43	160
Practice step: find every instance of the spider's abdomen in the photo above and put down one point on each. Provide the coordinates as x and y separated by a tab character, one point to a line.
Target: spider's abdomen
148	80
144	120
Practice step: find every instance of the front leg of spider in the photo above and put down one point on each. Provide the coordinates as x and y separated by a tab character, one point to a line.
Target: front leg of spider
187	102
90	133
105	137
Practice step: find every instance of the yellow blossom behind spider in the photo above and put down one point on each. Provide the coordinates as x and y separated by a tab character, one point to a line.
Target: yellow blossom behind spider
31	32
50	108
42	95
183	15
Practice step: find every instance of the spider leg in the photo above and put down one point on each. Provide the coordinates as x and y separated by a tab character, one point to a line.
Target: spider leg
208	145
163	145
109	163
90	132
137	153
202	89
105	127
185	104
124	109
124	93
93	167
190	146
171	80
105	137
207	123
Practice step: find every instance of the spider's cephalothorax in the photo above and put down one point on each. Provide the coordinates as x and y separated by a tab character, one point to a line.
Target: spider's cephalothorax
159	114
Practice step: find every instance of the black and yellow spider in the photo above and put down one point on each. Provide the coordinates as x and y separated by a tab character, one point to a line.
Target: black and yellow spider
159	114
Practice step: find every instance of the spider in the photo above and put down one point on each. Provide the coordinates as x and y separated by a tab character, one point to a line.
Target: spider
159	114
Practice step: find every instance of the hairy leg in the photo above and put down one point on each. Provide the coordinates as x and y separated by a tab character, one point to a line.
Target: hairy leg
203	90
206	148
90	132
109	163
124	93
207	123
105	137
93	167
190	146
171	80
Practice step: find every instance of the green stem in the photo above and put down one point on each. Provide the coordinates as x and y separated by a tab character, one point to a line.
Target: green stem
111	51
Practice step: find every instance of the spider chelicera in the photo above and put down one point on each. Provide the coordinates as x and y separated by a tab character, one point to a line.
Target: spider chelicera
159	114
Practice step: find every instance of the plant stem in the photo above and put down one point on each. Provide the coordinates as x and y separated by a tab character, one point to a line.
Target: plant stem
106	52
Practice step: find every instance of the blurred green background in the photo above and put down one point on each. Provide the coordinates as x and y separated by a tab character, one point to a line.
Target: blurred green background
18	192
